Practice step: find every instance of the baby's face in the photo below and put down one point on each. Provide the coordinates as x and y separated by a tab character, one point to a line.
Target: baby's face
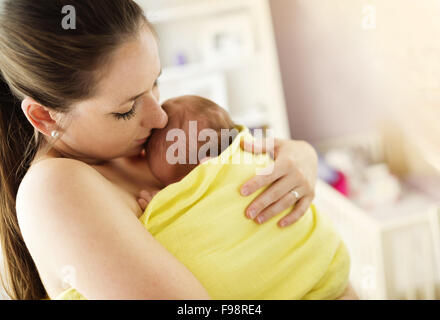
162	154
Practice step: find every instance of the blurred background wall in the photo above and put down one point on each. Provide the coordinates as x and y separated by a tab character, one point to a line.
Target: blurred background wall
327	67
355	65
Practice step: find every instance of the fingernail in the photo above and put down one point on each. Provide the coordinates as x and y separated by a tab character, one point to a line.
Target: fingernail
252	213
245	191
283	223
260	219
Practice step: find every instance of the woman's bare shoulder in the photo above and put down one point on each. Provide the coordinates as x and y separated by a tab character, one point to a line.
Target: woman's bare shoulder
69	219
57	179
58	168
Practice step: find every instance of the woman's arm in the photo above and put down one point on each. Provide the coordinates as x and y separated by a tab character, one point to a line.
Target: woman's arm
295	169
70	219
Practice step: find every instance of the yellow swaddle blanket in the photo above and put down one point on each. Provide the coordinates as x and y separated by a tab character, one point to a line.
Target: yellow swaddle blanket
201	221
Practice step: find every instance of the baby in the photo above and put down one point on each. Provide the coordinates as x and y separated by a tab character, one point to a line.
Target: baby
198	215
188	116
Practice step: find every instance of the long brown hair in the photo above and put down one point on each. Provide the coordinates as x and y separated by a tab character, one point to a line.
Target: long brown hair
56	67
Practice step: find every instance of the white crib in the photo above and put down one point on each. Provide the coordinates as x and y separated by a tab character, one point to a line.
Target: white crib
398	259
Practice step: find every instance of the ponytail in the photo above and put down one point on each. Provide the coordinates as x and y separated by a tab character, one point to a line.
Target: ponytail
20	276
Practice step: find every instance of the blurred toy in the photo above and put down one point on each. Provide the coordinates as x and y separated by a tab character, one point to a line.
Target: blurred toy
341	184
333	177
380	187
371	184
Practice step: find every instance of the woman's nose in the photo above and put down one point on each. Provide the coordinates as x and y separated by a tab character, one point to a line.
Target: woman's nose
154	115
162	118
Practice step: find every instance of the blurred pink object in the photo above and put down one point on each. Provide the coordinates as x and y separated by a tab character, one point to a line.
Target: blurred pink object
341	184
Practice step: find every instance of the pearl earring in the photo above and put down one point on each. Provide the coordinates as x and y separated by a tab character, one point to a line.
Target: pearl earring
55	134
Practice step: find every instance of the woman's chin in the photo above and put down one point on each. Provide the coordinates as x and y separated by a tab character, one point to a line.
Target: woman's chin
130	153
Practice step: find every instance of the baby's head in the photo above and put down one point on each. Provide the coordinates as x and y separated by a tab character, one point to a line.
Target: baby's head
187	117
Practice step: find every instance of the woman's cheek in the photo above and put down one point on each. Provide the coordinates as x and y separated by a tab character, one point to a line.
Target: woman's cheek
106	141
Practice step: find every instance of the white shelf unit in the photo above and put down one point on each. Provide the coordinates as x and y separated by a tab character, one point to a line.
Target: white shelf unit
248	84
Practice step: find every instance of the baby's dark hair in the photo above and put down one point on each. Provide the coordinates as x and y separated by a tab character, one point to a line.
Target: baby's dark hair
216	117
200	105
182	111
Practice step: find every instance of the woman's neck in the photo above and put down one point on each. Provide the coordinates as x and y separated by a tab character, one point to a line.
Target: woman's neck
133	169
53	153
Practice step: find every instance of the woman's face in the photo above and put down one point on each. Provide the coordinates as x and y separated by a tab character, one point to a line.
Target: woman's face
123	111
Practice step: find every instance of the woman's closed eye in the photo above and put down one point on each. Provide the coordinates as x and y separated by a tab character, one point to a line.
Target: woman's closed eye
128	115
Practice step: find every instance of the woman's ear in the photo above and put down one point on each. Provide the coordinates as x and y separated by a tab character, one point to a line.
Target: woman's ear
43	119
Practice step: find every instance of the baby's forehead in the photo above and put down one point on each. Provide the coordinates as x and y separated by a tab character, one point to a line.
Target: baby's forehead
180	113
176	108
177	112
180	104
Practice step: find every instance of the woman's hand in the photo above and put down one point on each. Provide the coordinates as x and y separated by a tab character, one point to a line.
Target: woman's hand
292	181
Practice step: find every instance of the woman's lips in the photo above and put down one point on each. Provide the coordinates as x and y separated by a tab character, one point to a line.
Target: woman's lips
141	141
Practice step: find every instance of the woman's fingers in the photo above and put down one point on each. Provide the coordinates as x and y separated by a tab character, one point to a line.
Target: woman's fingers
273	194
294	168
252	147
278	169
145	198
286	201
259	146
142	203
298	211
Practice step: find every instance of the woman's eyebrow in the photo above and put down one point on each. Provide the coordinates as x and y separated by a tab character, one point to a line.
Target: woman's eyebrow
140	94
133	98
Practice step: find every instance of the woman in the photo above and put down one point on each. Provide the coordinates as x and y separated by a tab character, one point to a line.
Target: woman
72	167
